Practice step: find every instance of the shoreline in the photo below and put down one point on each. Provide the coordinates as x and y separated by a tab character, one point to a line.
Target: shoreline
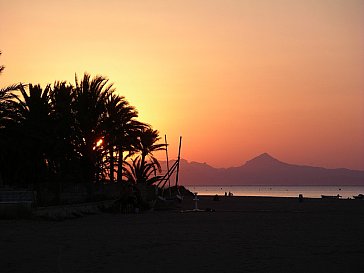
265	203
280	191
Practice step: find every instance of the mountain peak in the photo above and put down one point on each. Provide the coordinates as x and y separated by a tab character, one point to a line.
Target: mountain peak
262	159
264	155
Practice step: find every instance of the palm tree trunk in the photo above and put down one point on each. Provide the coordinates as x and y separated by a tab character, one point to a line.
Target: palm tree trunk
120	165
112	164
142	164
89	170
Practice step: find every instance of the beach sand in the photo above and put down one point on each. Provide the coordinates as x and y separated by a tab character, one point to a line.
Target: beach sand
244	234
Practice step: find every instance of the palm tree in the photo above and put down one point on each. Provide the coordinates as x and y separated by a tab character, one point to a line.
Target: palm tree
7	104
145	164
118	115
62	97
139	173
127	142
142	175
146	144
7	117
120	127
32	130
89	106
34	111
63	154
5	100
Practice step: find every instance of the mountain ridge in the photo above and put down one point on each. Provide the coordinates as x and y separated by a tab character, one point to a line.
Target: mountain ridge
266	170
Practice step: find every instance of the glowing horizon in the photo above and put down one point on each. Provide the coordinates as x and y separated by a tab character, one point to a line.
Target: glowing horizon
234	78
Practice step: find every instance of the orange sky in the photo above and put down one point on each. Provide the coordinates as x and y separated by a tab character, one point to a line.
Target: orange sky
235	78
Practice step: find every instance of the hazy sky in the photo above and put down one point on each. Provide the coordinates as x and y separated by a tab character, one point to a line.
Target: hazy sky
234	78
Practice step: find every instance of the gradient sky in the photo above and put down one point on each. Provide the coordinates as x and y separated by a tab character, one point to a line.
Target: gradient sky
234	78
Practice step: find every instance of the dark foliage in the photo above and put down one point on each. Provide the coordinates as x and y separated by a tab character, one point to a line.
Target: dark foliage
72	137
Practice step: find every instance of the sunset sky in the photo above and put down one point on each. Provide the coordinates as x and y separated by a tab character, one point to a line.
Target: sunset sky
234	78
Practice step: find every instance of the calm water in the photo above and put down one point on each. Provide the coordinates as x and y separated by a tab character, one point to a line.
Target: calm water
279	191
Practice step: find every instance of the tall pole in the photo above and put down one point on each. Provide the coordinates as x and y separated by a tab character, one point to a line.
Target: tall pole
179	157
169	181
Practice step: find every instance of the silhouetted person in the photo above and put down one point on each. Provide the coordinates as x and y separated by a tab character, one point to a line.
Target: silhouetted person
300	198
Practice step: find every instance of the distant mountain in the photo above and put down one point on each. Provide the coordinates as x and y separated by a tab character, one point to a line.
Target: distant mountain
266	170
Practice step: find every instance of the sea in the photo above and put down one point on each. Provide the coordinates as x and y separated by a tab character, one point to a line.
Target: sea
279	191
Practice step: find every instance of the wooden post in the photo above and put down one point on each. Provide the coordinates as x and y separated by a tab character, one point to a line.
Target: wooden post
169	181
179	157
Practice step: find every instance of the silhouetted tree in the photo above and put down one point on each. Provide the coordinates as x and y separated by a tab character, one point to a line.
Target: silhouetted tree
147	145
33	127
69	134
64	158
144	164
89	106
6	104
138	172
7	115
118	125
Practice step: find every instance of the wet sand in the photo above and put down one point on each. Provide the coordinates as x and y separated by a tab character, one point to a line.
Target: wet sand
244	234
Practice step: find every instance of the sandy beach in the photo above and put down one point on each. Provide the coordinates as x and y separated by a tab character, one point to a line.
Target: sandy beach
244	234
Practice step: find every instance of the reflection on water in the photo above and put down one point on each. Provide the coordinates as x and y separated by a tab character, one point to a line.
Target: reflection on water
279	191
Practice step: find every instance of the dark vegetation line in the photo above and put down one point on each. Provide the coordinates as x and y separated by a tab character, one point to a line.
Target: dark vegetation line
67	136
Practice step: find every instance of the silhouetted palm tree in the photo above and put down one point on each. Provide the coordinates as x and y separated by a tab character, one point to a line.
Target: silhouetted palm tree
114	128
141	173
63	154
33	128
126	143
33	111
5	101
63	118
89	106
121	129
7	117
146	145
7	104
142	167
